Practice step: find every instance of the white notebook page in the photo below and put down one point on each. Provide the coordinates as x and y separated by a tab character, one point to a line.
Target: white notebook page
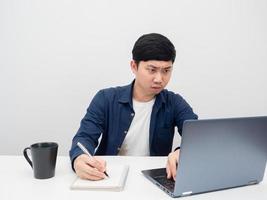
115	181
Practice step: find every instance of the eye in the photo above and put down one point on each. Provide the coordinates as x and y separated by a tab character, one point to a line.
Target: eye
151	70
166	71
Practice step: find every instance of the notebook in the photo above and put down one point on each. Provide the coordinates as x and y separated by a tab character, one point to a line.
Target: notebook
116	181
217	154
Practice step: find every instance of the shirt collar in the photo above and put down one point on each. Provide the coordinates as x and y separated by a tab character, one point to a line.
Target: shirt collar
127	95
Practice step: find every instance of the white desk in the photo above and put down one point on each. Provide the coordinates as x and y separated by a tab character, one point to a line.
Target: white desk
17	182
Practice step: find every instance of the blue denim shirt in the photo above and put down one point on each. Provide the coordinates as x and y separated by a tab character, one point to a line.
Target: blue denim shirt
110	114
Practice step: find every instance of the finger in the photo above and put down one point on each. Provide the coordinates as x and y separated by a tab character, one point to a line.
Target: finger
94	178
168	171
173	169
93	173
85	175
93	162
102	162
172	166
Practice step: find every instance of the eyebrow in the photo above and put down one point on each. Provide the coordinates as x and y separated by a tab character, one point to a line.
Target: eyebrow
169	67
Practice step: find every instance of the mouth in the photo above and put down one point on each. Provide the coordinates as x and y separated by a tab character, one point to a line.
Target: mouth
156	88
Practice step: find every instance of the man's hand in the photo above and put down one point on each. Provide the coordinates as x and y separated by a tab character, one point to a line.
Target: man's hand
90	168
172	163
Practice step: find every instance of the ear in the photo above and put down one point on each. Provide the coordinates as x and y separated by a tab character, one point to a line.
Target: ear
134	67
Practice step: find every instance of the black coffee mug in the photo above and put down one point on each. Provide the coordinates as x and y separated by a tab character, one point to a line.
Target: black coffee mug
44	156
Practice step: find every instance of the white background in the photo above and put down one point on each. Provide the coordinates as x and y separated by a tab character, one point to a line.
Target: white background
56	54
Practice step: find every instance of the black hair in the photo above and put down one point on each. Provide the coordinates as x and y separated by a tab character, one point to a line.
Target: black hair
153	46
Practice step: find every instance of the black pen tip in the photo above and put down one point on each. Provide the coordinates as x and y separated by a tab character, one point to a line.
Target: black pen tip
106	174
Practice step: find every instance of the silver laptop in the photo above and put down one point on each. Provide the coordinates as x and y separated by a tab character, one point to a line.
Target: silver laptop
217	154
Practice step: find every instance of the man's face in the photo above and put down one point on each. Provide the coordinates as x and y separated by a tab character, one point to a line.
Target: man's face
152	76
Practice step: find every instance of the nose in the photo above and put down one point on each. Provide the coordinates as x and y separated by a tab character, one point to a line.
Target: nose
158	77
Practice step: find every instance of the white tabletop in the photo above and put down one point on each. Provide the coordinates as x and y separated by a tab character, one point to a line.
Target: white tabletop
17	182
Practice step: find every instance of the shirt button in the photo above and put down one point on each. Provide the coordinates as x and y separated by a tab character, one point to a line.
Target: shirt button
118	148
125	132
132	114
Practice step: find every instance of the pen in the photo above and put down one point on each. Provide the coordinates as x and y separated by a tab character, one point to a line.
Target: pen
87	153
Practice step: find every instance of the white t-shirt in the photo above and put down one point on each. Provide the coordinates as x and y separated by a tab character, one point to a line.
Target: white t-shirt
136	142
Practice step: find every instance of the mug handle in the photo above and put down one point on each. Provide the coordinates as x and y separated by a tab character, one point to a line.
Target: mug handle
26	155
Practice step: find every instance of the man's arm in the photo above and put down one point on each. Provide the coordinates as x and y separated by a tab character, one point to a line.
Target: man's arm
183	112
91	127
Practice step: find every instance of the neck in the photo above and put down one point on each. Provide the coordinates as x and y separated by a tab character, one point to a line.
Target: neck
139	95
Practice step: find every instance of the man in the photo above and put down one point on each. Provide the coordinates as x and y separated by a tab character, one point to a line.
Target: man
137	119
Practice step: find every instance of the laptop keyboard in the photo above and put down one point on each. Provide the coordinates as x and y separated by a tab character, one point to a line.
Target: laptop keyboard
168	183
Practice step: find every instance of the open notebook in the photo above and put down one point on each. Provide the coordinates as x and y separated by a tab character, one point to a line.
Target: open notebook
115	182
